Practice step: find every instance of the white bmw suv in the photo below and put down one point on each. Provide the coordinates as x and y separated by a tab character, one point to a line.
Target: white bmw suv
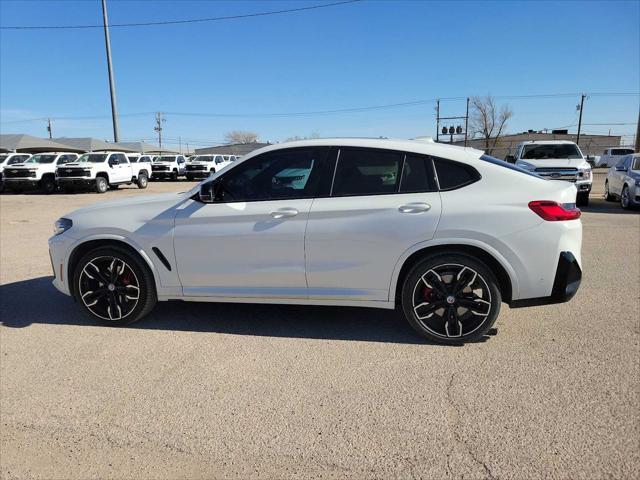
444	233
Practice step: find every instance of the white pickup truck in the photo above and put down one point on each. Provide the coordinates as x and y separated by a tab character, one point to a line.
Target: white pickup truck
37	172
556	160
101	171
168	166
201	166
8	159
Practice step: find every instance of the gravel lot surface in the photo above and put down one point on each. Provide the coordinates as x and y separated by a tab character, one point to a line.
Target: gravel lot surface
238	391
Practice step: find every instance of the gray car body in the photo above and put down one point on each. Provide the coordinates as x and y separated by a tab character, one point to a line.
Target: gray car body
625	173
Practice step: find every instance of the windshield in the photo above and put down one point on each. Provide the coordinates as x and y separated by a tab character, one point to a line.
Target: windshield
166	159
635	164
133	159
558	150
203	158
92	158
42	159
3	158
621	151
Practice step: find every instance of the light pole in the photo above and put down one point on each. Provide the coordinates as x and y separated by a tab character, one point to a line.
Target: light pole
112	85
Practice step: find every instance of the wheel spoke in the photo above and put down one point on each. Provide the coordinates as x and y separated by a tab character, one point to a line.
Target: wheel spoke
432	280
131	292
464	279
94	273
427	309
453	326
91	298
114	310
475	304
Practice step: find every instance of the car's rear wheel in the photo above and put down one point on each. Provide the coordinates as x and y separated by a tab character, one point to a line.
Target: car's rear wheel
624	197
114	286
142	180
101	185
607	194
451	298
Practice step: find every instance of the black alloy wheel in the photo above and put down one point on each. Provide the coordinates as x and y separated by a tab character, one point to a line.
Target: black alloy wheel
451	298
114	286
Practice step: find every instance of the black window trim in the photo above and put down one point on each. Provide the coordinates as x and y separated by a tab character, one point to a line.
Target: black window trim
462	185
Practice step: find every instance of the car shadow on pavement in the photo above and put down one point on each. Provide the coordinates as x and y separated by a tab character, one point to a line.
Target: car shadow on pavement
600	205
36	301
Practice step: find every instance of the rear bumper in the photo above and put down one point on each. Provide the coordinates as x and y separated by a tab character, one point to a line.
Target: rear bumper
565	284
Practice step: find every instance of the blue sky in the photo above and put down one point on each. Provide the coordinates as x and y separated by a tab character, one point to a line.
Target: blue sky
354	55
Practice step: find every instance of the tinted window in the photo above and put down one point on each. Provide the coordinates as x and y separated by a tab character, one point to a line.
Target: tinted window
65	159
550	150
453	175
636	163
276	175
366	172
621	151
417	174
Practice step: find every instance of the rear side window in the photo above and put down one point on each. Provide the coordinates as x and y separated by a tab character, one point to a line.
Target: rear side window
366	172
452	175
417	175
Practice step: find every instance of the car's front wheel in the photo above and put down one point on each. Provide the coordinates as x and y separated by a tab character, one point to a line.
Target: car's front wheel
101	185
114	286
451	298
142	180
624	197
582	199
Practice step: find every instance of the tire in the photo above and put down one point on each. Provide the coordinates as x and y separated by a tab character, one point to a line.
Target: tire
174	176
624	198
1	187
189	178
582	199
130	287
48	185
439	314
101	185
142	180
607	195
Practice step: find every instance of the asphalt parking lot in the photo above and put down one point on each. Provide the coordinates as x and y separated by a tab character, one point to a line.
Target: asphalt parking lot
238	391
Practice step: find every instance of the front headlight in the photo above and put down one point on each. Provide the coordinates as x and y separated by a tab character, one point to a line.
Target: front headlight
62	225
585	174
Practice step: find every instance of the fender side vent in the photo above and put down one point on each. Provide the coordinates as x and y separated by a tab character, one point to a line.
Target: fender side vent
162	258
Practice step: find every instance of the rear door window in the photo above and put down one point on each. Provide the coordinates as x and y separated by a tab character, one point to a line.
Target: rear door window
417	174
362	171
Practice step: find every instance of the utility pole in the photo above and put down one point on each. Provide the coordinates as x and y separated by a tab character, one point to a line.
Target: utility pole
49	128
180	143
582	97
112	86
637	143
437	120
466	123
158	128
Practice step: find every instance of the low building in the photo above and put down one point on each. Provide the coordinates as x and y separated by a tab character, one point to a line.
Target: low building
506	144
237	149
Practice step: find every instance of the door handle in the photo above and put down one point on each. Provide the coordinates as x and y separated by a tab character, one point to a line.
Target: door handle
284	213
415	207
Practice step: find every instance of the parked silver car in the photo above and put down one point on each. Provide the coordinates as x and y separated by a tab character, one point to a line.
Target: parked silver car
623	181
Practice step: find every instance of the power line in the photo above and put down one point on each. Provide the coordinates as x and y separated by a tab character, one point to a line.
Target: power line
319	112
176	22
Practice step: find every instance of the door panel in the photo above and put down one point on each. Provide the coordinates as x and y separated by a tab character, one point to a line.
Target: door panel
243	249
353	243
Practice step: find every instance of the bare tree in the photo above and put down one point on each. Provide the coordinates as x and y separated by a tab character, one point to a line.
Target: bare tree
298	137
487	120
240	136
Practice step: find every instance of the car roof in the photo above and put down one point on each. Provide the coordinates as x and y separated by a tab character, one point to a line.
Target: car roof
548	142
55	153
416	146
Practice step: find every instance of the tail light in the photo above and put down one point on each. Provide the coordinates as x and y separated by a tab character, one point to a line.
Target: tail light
554	211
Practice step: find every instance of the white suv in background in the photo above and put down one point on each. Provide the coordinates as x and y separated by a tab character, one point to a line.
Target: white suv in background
201	166
101	171
445	233
611	156
37	172
8	159
556	160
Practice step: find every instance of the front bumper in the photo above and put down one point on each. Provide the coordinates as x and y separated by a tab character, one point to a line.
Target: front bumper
21	182
78	181
583	186
565	285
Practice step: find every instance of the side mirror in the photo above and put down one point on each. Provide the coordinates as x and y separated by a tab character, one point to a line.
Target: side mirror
510	159
207	192
620	168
